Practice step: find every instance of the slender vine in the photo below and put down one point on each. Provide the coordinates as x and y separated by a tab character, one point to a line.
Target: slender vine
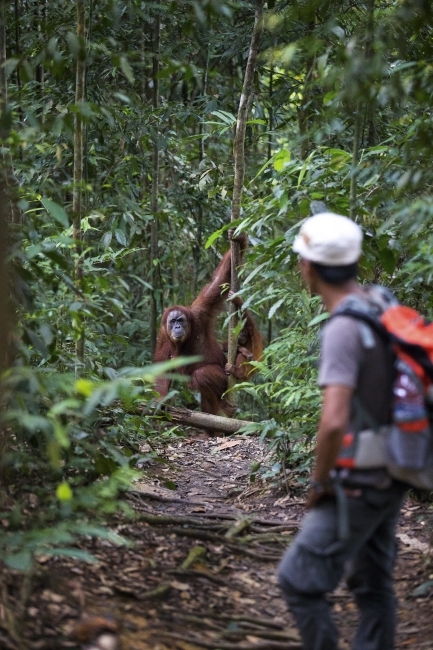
239	171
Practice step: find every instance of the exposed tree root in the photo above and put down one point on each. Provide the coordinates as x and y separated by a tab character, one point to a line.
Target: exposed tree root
148	494
168	520
264	622
196	573
238	527
220	539
158	592
273	631
223	645
208	535
264	634
254	520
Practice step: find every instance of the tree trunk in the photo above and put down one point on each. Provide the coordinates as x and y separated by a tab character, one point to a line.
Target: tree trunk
5	313
358	137
17	40
305	111
77	199
7	172
239	171
270	143
355	160
9	212
369	53
197	245
85	126
40	26
154	193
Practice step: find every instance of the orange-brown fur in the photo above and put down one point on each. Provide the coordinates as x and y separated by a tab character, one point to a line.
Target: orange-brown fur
208	376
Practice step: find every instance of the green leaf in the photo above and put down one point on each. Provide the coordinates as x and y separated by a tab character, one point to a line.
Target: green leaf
64	492
57	127
233	224
65	405
282	159
32	423
56	211
37	342
304	169
214	237
10	65
106	239
388	260
121	237
56	257
329	97
103	533
74	43
224	116
74	553
22	561
51	536
46	333
274	308
265	166
123	98
75	306
33	250
105	466
60	434
126	69
84	387
318	319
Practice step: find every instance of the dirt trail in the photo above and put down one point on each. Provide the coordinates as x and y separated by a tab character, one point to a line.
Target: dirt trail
232	533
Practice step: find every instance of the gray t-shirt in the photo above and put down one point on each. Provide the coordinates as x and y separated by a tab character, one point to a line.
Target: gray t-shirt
358	359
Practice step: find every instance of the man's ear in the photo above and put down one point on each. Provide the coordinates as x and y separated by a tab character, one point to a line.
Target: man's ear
306	267
309	275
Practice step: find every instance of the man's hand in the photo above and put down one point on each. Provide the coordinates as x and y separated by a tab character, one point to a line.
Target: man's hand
317	491
332	427
313	497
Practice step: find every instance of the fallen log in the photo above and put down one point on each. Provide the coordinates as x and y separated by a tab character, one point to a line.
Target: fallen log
202	420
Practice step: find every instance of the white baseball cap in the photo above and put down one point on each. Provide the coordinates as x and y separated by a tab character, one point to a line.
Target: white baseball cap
329	239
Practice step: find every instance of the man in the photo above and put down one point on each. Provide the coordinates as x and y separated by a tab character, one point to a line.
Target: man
350	527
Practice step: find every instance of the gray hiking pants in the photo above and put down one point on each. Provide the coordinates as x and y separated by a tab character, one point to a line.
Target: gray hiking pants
316	561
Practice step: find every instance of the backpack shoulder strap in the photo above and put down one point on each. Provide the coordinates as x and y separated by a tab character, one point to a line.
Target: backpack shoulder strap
369	309
365	317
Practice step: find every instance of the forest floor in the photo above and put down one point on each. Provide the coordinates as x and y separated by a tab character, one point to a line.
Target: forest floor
200	569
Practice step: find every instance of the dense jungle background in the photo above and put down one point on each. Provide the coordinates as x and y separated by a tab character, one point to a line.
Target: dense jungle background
117	126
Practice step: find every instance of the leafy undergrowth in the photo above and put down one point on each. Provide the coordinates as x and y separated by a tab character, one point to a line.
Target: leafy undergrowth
199	570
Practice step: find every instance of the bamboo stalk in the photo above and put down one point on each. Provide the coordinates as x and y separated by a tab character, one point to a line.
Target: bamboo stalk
355	160
154	191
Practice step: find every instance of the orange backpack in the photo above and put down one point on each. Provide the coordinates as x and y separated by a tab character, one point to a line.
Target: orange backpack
405	446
